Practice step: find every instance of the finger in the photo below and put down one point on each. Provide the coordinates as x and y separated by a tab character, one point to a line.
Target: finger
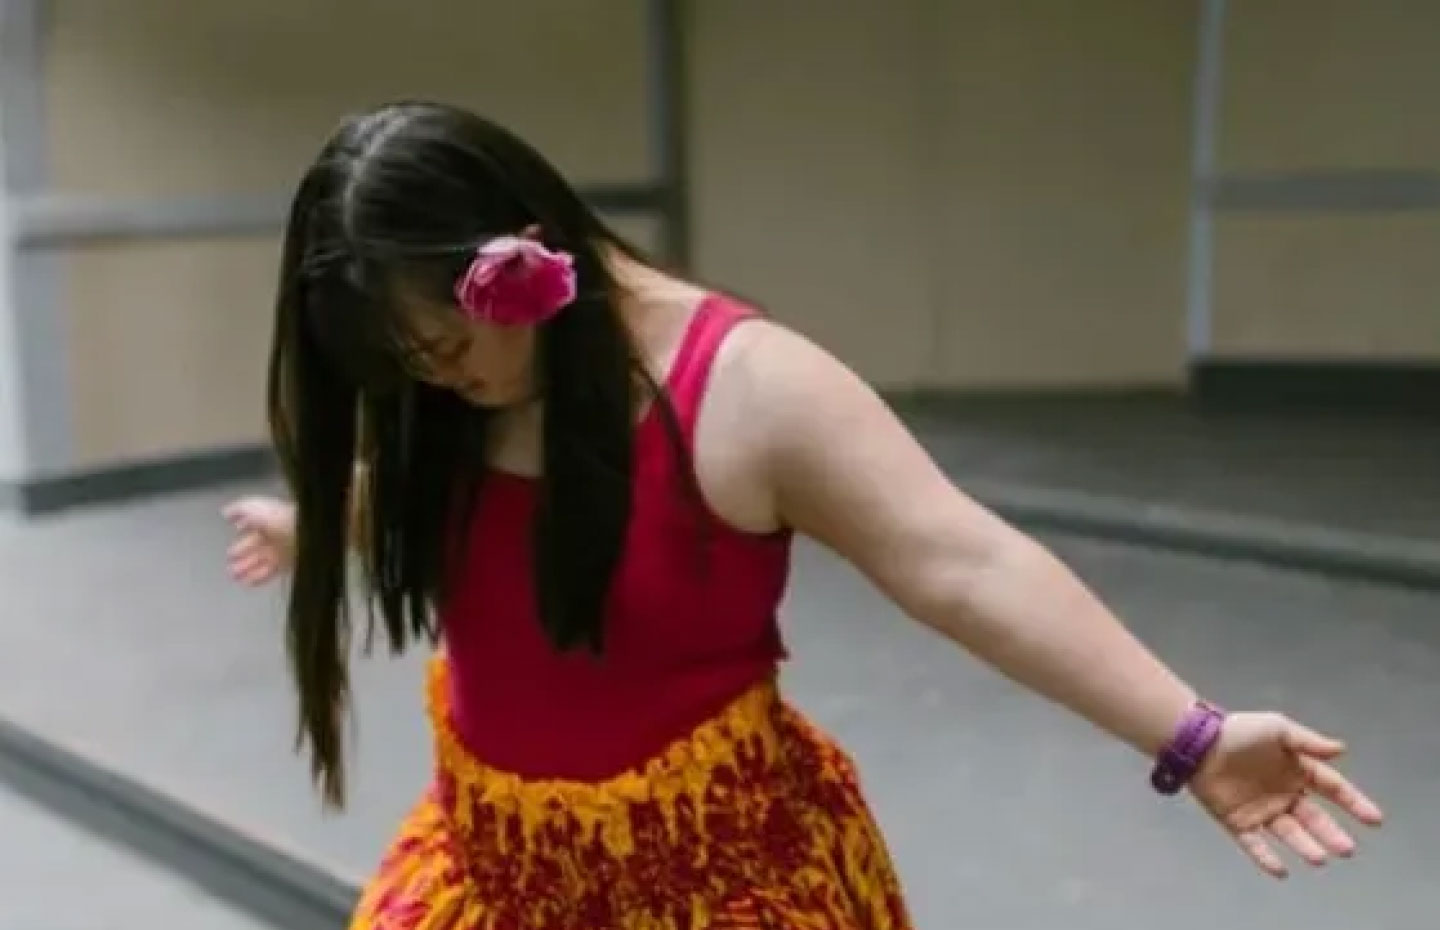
1335	788
1305	741
256	576
250	565
1260	852
244	552
247	544
1319	824
239	513
251	553
1289	831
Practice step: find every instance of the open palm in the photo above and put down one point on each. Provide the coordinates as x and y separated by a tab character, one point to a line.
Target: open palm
1264	780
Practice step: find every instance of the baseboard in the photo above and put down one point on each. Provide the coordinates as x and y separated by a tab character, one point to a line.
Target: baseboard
1280	544
50	494
274	885
944	399
1408	388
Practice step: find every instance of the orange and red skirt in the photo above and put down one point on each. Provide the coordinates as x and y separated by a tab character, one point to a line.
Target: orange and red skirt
755	820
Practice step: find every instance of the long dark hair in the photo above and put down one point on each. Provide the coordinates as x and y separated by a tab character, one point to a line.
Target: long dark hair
403	195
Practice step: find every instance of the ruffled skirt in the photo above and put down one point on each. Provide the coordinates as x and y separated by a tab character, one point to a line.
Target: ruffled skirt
755	820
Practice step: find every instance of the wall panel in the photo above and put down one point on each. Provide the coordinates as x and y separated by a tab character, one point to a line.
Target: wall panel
808	158
1328	287
1330	84
167	345
179	97
1061	184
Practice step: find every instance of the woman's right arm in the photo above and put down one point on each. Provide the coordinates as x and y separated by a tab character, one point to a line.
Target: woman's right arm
264	547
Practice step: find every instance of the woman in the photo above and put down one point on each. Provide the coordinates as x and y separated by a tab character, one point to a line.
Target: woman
583	475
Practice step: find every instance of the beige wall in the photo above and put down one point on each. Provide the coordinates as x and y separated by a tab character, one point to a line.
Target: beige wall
810	172
1329	287
947	193
1062	155
1329	85
953	194
167	347
973	194
172	98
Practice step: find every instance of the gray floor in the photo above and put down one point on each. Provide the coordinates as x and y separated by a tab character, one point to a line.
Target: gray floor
58	878
120	636
1346	471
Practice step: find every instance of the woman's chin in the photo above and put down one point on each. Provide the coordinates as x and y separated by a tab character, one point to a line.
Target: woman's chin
484	401
492	399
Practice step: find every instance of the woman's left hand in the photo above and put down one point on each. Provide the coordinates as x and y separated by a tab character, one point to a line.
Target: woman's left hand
1263	780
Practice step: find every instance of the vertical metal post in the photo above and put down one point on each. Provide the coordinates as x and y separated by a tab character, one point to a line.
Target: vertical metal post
1209	72
35	426
667	90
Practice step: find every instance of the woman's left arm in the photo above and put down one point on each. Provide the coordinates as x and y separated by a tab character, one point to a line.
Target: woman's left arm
843	470
847	473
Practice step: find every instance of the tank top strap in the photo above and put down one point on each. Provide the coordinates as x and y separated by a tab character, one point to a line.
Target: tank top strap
690	371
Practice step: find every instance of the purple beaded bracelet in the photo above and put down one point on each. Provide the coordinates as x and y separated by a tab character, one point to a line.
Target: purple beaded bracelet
1197	734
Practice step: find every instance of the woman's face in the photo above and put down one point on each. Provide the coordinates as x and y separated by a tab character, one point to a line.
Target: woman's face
486	364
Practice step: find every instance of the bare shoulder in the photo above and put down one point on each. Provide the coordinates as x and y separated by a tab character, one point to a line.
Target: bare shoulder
729	441
832	459
825	456
782	380
771	358
756	380
777	405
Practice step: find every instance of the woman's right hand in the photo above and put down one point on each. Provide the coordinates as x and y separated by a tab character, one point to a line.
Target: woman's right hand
264	546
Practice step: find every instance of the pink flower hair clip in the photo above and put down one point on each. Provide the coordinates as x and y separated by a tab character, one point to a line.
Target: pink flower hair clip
516	281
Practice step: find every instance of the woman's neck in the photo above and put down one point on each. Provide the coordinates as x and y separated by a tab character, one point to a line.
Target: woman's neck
513	438
656	310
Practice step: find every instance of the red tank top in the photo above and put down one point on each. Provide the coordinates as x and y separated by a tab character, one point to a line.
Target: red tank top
688	629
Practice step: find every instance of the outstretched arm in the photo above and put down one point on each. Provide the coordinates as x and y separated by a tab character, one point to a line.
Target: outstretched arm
842	469
847	473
